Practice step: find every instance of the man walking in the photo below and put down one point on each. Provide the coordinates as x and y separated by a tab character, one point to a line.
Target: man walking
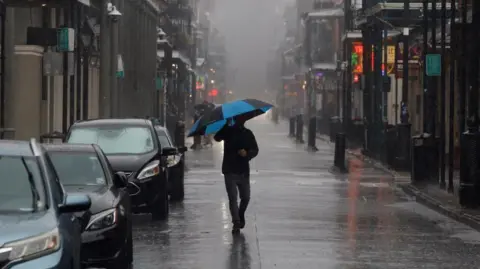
240	146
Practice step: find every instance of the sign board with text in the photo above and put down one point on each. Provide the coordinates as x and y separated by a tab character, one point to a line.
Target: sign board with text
434	65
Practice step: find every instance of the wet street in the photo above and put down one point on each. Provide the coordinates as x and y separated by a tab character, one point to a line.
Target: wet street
301	216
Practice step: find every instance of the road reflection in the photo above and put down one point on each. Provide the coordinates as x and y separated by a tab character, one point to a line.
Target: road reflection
240	257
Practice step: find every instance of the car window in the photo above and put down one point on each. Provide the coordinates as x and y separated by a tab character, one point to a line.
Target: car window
57	189
115	139
164	139
23	189
78	168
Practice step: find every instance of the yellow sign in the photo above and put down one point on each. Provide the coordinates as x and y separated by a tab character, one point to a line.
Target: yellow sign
390	54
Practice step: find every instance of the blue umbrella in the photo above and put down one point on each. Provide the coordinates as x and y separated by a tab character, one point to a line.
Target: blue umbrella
215	119
210	128
247	108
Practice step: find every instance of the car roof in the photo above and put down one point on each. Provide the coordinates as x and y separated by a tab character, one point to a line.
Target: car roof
70	148
15	148
103	122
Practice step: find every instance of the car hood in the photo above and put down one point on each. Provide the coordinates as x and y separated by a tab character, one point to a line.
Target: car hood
19	226
100	195
129	163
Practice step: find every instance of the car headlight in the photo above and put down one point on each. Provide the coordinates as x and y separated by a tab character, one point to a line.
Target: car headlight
102	220
152	169
34	246
173	160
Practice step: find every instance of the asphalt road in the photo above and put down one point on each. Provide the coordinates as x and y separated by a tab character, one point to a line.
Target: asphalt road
301	216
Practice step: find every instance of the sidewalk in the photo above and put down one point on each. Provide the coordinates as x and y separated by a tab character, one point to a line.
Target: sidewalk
429	195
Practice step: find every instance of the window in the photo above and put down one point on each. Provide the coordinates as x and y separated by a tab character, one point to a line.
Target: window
115	139
24	191
164	139
57	189
78	168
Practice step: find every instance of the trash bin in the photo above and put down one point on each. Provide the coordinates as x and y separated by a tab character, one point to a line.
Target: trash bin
334	127
291	127
469	169
180	134
424	158
340	145
419	154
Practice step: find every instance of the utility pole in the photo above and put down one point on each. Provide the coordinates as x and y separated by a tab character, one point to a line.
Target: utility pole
104	90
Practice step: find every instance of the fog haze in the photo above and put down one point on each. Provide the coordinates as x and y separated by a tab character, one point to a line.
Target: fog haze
252	29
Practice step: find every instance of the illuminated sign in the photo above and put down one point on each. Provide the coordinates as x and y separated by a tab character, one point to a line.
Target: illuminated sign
213	92
200	85
357	59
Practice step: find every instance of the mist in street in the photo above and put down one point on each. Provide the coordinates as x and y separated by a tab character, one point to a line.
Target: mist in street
252	29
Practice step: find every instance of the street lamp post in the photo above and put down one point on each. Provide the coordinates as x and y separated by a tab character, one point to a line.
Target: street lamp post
443	25
114	93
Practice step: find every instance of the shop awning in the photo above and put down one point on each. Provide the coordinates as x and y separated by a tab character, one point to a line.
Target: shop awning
176	55
324	66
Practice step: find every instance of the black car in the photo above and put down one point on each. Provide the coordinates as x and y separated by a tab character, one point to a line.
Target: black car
175	164
107	235
132	147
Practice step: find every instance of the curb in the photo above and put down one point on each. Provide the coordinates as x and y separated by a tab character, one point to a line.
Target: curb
437	206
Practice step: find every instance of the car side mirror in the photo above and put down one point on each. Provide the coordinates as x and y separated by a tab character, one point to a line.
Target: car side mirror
169	151
182	149
120	180
75	203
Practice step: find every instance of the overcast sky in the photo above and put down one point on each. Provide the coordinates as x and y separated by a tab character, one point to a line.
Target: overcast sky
252	28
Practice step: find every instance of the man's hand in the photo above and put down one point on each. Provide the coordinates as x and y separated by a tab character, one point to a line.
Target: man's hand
242	153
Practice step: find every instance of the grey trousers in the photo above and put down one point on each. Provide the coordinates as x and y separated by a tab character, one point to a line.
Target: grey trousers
237	185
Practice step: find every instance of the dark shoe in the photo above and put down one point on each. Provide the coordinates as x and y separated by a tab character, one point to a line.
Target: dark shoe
242	220
236	227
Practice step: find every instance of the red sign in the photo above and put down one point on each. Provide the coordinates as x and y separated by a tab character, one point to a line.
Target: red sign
357	59
213	92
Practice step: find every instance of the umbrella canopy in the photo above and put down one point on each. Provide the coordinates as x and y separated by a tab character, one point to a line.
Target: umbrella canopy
247	108
201	128
215	119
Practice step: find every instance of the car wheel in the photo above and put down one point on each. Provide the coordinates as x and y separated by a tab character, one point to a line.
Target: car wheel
125	259
178	185
159	209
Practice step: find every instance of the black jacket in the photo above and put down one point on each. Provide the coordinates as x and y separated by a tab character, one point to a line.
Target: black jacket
236	138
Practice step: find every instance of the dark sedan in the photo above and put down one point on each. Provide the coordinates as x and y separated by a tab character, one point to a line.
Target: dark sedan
175	164
132	147
107	238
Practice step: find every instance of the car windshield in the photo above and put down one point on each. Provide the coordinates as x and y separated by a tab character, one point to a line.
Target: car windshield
78	168
23	186
164	139
115	139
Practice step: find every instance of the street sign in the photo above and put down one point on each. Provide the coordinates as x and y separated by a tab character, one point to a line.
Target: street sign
434	65
65	39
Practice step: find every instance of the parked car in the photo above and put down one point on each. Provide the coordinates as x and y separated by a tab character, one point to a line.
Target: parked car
107	238
38	228
132	147
175	164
